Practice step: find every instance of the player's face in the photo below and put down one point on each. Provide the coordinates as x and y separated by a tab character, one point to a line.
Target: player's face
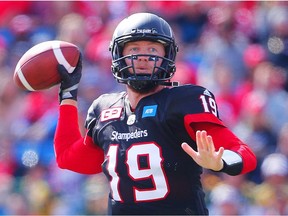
143	64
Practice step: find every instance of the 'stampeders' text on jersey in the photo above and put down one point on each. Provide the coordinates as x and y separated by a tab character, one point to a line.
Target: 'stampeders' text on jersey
144	161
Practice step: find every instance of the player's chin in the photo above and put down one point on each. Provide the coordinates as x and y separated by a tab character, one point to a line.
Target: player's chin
143	72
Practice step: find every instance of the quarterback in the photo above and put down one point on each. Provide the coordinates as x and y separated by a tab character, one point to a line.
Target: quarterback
153	140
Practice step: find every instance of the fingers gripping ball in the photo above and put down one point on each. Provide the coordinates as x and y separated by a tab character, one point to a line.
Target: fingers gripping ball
37	68
69	81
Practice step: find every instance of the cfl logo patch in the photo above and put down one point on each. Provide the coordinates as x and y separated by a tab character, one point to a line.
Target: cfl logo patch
112	113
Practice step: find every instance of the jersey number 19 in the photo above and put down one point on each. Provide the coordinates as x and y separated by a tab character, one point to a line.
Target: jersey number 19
153	171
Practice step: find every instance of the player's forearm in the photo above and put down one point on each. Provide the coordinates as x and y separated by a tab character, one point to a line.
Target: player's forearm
238	157
67	131
72	152
243	159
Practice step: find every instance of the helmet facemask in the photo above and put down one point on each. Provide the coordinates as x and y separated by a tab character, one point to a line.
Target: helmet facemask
143	82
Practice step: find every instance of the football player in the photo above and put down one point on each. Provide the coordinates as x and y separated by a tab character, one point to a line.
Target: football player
153	140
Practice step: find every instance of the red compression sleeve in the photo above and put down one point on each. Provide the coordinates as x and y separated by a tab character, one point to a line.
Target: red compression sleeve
222	136
71	151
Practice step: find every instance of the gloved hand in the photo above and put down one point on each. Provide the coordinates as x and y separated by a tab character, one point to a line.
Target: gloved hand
69	81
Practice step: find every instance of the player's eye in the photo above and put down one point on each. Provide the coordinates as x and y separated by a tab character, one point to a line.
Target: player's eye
134	49
153	50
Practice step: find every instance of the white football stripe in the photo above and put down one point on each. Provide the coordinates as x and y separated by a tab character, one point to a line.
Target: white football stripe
60	57
23	80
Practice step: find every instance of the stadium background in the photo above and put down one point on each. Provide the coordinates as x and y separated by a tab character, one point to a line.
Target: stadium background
236	49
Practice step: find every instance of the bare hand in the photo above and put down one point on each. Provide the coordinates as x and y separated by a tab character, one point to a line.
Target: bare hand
206	156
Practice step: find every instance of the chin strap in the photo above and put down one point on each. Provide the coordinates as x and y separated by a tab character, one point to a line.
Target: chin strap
173	84
146	86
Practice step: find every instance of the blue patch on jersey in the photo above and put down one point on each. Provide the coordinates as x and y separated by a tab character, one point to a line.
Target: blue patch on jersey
149	111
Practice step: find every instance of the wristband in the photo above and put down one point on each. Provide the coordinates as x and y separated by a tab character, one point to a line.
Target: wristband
69	93
232	163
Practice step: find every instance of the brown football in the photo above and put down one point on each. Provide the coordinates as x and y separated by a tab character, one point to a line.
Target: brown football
37	68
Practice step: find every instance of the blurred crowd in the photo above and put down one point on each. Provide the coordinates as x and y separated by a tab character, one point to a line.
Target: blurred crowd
238	50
